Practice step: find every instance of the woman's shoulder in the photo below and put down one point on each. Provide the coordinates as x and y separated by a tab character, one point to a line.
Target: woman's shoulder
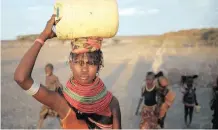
114	101
114	105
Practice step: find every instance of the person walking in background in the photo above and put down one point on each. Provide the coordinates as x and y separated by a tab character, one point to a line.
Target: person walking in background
165	99
189	97
52	83
157	100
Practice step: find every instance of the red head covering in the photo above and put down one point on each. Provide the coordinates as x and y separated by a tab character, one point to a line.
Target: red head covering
86	44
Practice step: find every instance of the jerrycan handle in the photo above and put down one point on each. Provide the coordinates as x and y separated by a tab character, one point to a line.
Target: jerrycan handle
57	17
57	13
54	29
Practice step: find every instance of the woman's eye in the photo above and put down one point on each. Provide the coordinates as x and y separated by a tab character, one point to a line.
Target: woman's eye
90	63
81	63
75	62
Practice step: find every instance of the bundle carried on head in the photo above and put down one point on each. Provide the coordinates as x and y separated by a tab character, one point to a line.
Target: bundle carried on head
83	45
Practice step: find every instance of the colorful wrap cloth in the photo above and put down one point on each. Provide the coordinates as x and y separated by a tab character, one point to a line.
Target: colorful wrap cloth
86	44
149	119
71	121
89	98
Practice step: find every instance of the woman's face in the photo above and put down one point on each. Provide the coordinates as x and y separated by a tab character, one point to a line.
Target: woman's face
150	80
163	82
84	71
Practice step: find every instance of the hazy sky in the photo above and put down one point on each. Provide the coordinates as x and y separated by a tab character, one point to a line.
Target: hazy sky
137	17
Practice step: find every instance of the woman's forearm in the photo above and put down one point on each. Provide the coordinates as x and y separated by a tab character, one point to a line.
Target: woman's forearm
196	102
23	72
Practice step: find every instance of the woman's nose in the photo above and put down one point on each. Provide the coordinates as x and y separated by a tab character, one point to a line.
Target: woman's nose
84	67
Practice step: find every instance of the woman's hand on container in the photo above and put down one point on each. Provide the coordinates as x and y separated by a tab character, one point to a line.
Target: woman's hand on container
48	33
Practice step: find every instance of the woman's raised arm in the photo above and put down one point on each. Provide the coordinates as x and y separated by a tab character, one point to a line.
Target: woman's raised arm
23	73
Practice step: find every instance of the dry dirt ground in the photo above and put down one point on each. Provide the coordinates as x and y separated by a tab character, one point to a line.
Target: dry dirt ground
126	64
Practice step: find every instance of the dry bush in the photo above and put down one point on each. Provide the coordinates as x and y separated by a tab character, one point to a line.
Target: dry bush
31	37
116	40
187	38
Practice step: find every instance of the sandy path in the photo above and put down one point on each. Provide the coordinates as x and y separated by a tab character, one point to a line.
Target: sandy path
123	74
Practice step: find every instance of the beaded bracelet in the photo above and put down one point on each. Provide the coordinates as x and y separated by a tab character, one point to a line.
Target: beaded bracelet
40	41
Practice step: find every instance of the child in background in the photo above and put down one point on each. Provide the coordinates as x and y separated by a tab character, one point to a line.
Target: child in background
52	83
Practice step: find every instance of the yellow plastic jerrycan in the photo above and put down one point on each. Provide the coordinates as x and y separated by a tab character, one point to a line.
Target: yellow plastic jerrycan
85	18
197	108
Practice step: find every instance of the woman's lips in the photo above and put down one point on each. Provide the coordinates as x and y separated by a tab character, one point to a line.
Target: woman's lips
84	77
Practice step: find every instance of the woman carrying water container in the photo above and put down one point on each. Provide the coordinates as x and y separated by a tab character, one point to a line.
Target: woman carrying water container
85	102
157	100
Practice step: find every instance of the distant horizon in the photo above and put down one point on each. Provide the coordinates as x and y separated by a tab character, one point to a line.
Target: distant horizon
117	35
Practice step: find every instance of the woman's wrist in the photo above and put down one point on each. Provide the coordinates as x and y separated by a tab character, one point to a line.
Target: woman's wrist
39	41
42	37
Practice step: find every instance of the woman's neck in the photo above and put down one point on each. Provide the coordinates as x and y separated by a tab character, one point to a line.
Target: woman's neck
150	87
82	84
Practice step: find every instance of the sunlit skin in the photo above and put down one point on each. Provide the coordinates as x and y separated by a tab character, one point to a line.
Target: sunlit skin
52	82
163	83
83	71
